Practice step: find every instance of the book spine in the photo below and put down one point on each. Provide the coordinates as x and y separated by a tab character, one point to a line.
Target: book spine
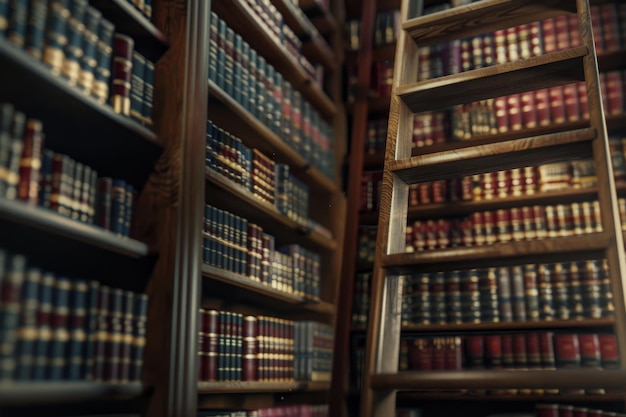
122	73
73	48
45	179
137	86
56	37
118	206
114	336
126	342
76	329
91	322
4	17
140	317
30	163
102	333
17	20
35	27
27	333
148	93
12	271
89	44
60	334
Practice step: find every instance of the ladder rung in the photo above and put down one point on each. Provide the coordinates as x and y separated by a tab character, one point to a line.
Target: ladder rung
544	71
562	378
499	253
494	156
482	17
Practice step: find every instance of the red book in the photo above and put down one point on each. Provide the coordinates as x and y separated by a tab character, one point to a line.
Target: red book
570	95
610	27
574	33
475	351
493	351
547	410
583	105
30	163
507	351
614	93
250	348
548	30
561	27
567	350
502	114
420	354
123	47
210	324
514	112
499	37
536	43
596	24
542	105
454	360
513	50
557	104
609	356
529	110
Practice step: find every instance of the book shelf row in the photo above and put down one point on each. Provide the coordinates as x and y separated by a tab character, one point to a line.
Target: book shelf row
320	410
59	329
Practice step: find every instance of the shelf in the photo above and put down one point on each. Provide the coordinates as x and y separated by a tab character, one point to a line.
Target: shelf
240	387
257	293
505	326
482	17
230	115
69	118
64	245
406	396
237	199
149	41
510	253
456	208
30	394
320	16
563	378
314	46
544	71
238	15
490	157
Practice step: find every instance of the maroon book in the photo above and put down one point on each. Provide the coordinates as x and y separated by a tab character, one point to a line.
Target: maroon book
420	354
542	105
454	357
475	351
493	351
30	163
123	47
211	330
439	354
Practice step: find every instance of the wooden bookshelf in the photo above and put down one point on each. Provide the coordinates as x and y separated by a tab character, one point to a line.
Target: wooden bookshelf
242	19
238	387
34	90
240	122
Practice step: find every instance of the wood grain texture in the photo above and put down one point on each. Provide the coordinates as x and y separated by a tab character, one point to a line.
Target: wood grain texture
238	15
481	17
237	387
565	378
510	253
171	207
544	71
495	156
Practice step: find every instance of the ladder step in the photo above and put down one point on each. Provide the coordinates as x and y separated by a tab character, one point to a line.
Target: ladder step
563	378
494	156
482	17
544	71
541	250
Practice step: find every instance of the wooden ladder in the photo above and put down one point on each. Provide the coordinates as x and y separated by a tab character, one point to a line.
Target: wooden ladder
382	380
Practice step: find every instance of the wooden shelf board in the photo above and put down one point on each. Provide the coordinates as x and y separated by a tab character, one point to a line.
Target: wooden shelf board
239	387
149	41
482	17
563	378
230	115
545	71
70	247
314	46
28	394
237	199
562	248
320	16
69	118
238	15
505	326
494	156
406	396
454	208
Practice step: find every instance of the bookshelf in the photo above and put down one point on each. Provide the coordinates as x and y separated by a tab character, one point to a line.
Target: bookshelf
69	253
384	384
229	291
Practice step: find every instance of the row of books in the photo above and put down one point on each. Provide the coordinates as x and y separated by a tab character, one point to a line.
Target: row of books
521	42
238	347
505	225
75	42
516	112
54	328
386	30
245	76
531	292
267	180
512	350
273	20
567	410
361	299
303	410
233	244
366	238
38	176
